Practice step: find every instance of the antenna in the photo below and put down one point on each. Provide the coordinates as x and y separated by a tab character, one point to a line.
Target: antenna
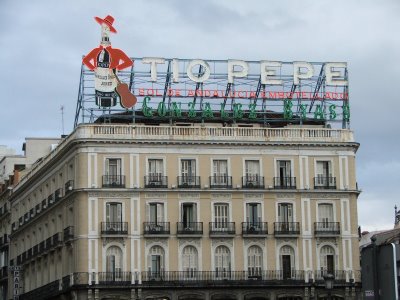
62	118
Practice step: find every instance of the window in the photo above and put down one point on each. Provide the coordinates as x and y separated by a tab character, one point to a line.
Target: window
287	261
283	168
155	170
188	168
222	262
155	215
221	215
113	216
113	172
156	261
254	261
325	214
220	172
324	177
252	171
114	263
189	261
324	169
189	214
253	213
327	260
285	212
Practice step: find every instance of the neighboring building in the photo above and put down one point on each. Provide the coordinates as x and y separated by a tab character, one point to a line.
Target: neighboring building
380	262
12	167
198	211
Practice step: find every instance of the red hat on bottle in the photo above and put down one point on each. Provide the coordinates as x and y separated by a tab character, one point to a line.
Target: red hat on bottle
109	20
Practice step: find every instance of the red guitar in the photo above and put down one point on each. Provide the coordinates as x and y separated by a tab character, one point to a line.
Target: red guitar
127	99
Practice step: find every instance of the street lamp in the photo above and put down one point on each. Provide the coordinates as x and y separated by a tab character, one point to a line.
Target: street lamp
329	279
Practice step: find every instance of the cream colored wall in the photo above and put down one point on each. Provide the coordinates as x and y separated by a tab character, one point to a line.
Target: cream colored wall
89	245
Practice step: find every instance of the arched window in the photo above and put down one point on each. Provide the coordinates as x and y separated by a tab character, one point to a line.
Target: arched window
287	262
222	261
327	259
254	261
113	263
190	261
155	261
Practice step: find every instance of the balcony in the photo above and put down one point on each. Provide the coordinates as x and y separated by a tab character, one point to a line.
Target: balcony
225	277
57	240
285	183
68	234
327	228
49	244
222	181
218	229
253	182
254	228
286	229
115	278
58	194
42	247
155	181
189	182
339	275
156	228
69	186
113	181
325	183
50	200
35	250
114	228
189	229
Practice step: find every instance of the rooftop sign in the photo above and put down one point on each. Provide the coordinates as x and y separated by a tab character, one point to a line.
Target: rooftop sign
199	89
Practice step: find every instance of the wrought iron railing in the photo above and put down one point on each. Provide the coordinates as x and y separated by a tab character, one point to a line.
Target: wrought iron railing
114	227
155	181
327	228
221	181
258	228
327	183
222	228
253	182
286	228
156	228
115	278
114	181
68	233
69	186
189	228
285	183
188	182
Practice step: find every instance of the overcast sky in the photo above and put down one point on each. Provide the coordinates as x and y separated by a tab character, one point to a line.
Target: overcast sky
43	42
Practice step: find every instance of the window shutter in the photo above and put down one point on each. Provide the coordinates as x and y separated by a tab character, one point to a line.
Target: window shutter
160	212
119	212
108	212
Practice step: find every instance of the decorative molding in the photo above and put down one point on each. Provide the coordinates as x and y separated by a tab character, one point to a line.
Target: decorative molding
155	241
323	195
320	240
286	195
189	241
189	196
155	195
259	241
216	242
113	195
253	196
109	240
221	196
285	241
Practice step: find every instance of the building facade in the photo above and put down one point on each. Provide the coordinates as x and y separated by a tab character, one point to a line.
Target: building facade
135	211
